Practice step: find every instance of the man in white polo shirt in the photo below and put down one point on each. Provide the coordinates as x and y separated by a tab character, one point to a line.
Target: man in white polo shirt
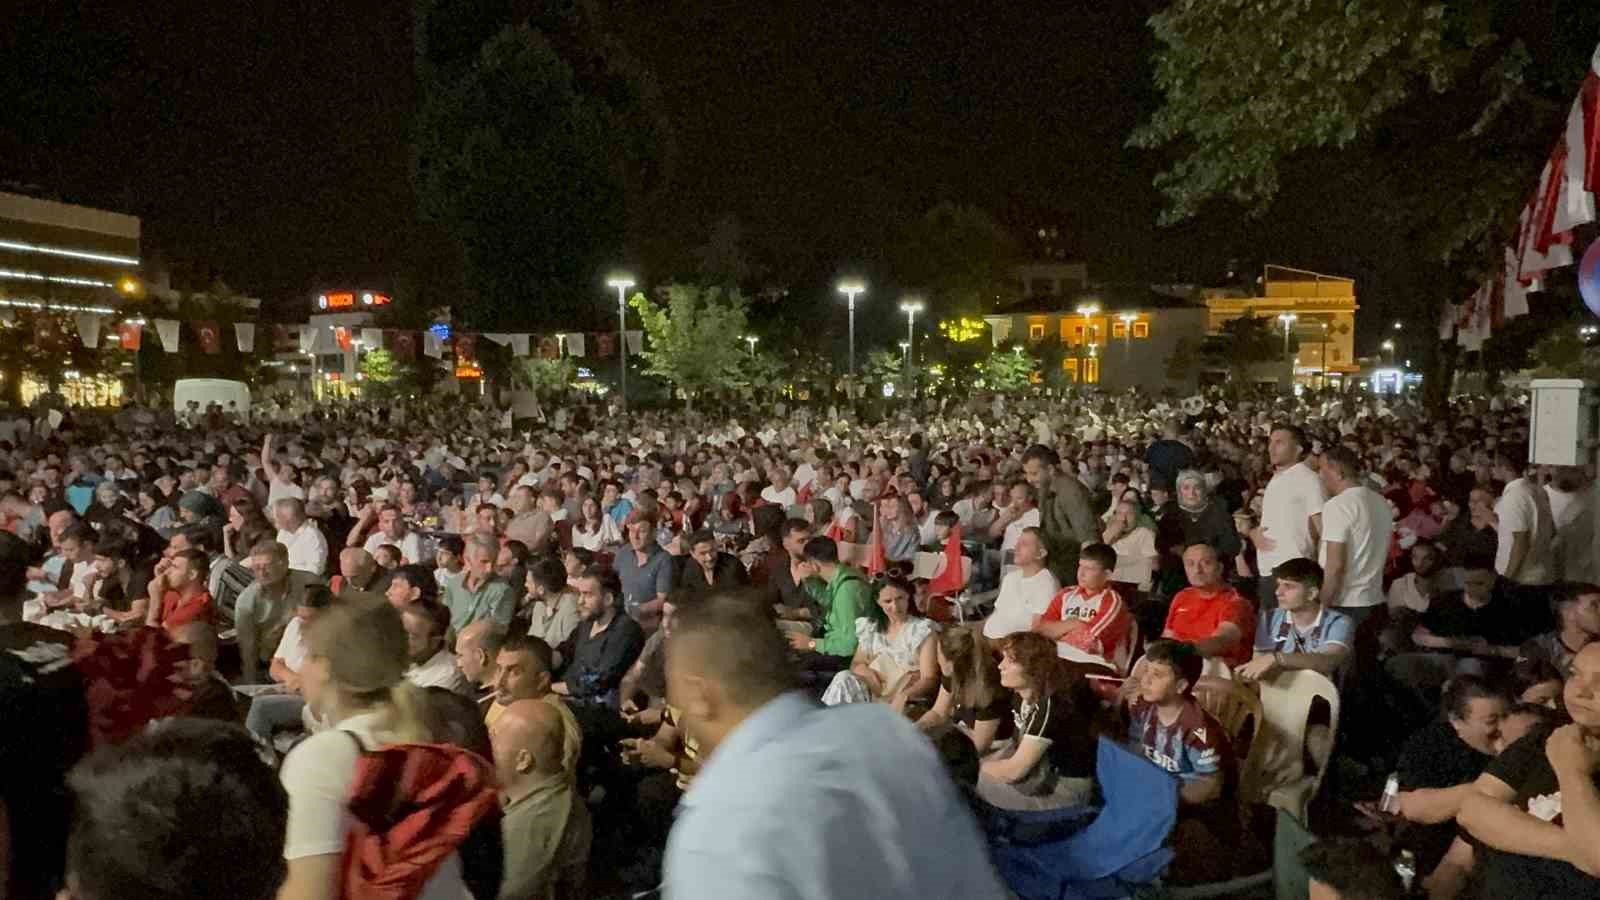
1357	526
1289	510
1525	527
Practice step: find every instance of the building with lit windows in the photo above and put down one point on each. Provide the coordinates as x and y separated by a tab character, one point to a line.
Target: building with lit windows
1116	336
58	251
1318	310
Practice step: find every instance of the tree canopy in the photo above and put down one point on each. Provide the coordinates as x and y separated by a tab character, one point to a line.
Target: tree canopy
693	339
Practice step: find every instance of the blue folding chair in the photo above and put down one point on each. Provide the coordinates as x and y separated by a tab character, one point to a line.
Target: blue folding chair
1120	849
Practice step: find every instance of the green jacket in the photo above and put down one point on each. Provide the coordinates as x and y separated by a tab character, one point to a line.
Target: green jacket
1068	522
844	598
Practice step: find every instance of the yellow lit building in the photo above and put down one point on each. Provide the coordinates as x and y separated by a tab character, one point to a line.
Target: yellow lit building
1323	308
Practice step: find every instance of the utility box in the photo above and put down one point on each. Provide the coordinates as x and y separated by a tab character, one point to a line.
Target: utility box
1563	423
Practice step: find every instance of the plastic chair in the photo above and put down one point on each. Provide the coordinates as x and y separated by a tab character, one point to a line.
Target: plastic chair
1123	848
1286	703
1236	708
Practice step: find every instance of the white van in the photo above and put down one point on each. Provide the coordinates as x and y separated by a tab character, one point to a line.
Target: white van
206	391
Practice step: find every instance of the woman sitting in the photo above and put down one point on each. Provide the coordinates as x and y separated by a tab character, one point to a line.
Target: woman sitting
1132	533
595	531
970	696
899	529
1049	762
895	659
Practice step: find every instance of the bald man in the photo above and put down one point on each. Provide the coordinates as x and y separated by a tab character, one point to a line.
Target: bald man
358	575
545	826
476	648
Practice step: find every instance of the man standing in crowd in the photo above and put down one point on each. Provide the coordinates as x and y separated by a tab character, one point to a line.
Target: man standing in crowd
1524	527
846	802
1572	512
1290	510
1065	517
1357	526
604	644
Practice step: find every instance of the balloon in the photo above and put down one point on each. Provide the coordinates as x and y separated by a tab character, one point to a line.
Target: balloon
1589	278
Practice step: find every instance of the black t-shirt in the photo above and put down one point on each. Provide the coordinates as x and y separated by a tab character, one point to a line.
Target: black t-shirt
997	709
1496	621
1525	768
1065	719
1433	758
44	730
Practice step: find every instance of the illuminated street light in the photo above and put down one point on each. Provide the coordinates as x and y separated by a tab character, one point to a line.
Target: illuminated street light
622	283
751	340
1128	318
1287	320
850	289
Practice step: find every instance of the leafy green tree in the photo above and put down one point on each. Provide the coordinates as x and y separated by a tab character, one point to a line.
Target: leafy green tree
960	259
886	367
1240	344
693	339
545	377
1009	370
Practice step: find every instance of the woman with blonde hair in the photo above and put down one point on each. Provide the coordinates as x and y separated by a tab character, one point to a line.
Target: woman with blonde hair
970	696
354	678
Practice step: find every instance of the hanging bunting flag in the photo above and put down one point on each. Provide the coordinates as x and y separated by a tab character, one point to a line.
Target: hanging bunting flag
432	345
345	337
130	335
210	337
605	344
549	347
519	344
500	338
372	338
1515	302
466	346
1580	176
308	338
244	335
167	331
403	344
283	340
635	342
89	330
575	344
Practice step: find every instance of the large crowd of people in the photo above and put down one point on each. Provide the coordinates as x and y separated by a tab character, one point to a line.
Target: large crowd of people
426	650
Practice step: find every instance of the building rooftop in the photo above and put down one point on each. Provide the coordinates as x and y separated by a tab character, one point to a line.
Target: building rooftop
1111	296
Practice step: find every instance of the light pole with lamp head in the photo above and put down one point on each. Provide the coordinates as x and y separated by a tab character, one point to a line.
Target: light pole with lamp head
910	307
1087	310
850	289
751	340
622	283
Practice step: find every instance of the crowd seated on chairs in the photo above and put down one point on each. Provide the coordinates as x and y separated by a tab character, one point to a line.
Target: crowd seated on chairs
1167	694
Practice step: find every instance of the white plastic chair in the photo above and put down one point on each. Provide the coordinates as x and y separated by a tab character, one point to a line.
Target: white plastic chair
1279	774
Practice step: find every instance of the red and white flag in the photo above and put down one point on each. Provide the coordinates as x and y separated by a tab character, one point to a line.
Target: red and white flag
1581	172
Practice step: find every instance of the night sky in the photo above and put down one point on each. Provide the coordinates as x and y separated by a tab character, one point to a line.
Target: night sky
268	142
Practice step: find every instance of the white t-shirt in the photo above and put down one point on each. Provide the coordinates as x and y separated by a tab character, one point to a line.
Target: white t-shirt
784	498
308	549
292	646
1522	507
1360	519
1029	519
1136	556
410	545
317	774
1020	599
1293	496
280	490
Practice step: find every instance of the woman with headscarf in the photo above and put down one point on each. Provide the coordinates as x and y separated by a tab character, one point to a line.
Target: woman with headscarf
1202	518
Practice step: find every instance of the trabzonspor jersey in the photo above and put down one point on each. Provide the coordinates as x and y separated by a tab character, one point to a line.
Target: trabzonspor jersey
1192	747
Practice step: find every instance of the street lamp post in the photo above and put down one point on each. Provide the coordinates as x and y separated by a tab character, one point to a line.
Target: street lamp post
1324	354
1087	310
1287	320
622	283
850	289
751	340
1389	346
910	308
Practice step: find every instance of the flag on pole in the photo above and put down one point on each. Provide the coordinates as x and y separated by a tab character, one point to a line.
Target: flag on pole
167	332
951	578
130	335
877	560
244	336
635	342
89	330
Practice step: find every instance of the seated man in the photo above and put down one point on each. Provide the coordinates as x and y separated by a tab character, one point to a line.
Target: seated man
267	605
545	827
1209	613
279	704
1301	633
1026	591
476	648
432	663
1168	726
604	645
644	688
708	567
843	594
522	672
1477	629
1088	621
1540	826
1577	612
180	583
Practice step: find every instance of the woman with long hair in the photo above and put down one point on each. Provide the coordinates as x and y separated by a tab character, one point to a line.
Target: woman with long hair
1132	533
970	697
895	660
900	536
594	531
353	678
1049	762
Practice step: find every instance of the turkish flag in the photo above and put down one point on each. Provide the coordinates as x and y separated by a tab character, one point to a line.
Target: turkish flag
466	346
210	339
284	340
403	344
951	579
46	330
605	343
129	335
346	338
877	559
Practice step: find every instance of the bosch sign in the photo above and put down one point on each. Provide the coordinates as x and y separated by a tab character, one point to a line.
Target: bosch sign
351	300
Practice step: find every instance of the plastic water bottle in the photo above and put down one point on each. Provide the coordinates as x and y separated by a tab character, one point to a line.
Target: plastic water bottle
1389	803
